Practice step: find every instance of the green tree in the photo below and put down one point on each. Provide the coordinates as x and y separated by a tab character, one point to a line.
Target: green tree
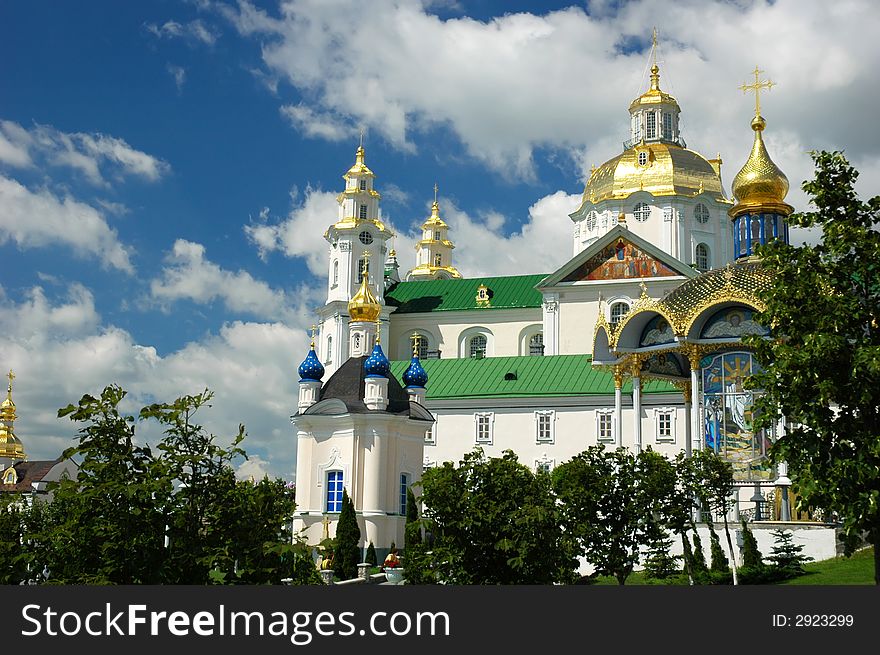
348	539
822	366
719	562
751	556
715	477
786	555
613	503
494	521
370	557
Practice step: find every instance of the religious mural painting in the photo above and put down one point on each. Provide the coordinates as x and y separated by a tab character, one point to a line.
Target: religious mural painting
618	261
727	415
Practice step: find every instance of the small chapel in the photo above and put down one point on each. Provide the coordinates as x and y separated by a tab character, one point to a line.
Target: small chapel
633	341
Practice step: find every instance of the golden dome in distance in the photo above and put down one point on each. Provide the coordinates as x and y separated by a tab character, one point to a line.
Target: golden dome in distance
7	407
364	306
10	446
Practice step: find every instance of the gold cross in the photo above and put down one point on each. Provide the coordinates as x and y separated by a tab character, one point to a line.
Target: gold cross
435	192
314	331
756	87
416	339
362	138
11	377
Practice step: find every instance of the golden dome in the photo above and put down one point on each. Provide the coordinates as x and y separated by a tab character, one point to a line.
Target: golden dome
434	219
654	95
669	169
759	183
359	168
364	306
10	446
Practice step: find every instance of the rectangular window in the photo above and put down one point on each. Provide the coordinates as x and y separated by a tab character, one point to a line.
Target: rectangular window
544	426
483	424
363	185
544	466
667	214
664	420
334	492
363	211
431	434
667	126
651	128
604	425
404	485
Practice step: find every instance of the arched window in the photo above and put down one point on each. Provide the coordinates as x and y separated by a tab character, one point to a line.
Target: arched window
476	345
329	357
438	260
335	273
591	221
701	257
701	213
363	261
536	344
641	212
618	311
420	345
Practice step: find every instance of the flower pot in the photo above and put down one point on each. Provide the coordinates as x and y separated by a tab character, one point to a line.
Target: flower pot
394	576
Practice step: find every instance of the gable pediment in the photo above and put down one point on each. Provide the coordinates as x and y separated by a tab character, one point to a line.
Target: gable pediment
619	255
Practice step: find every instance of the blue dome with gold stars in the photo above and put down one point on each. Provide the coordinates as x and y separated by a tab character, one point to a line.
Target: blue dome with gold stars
415	375
311	368
377	364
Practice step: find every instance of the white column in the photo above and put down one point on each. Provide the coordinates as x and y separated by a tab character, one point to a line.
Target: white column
637	413
373	474
688	445
618	407
696	431
551	324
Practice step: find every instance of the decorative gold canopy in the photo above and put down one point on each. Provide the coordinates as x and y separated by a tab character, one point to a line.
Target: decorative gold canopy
654	95
760	182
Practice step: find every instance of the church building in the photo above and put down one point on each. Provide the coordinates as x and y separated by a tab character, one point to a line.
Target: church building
634	341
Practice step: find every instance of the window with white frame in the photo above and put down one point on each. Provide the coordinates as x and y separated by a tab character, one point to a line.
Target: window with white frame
664	423
701	257
329	358
667	125
362	211
362	263
591	221
651	125
544	426
536	344
420	345
617	312
431	435
605	425
404	486
363	185
544	465
667	214
334	492
335	273
483	424
641	212
477	344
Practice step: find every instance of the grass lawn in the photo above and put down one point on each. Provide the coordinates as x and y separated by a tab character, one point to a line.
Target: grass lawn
858	569
855	570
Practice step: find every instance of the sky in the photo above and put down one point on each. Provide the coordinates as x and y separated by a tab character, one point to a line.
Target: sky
168	168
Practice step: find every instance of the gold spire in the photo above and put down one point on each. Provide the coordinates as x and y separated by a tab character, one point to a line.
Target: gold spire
434	220
760	183
314	330
378	331
10	446
654	94
363	306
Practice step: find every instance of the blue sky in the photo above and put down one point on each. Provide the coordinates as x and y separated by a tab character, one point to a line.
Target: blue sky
167	169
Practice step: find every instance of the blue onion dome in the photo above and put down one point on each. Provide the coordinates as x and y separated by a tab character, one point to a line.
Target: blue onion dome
311	368
377	364
415	375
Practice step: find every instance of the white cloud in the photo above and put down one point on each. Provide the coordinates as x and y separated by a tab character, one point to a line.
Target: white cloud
300	234
251	367
189	275
519	81
317	124
37	218
194	31
483	246
253	468
179	75
86	153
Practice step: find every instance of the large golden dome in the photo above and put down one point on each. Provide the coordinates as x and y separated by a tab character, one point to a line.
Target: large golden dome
760	182
364	306
668	169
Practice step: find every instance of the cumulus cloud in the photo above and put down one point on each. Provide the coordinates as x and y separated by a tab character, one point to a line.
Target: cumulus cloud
92	155
36	218
250	367
189	275
300	233
519	82
317	124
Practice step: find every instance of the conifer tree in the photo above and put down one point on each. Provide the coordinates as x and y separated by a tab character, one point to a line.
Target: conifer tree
370	557
752	558
786	555
719	559
348	538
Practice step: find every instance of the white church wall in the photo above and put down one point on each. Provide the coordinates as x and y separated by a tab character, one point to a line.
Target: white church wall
502	328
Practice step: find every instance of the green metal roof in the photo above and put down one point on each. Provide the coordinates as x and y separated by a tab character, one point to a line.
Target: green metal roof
510	292
553	375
